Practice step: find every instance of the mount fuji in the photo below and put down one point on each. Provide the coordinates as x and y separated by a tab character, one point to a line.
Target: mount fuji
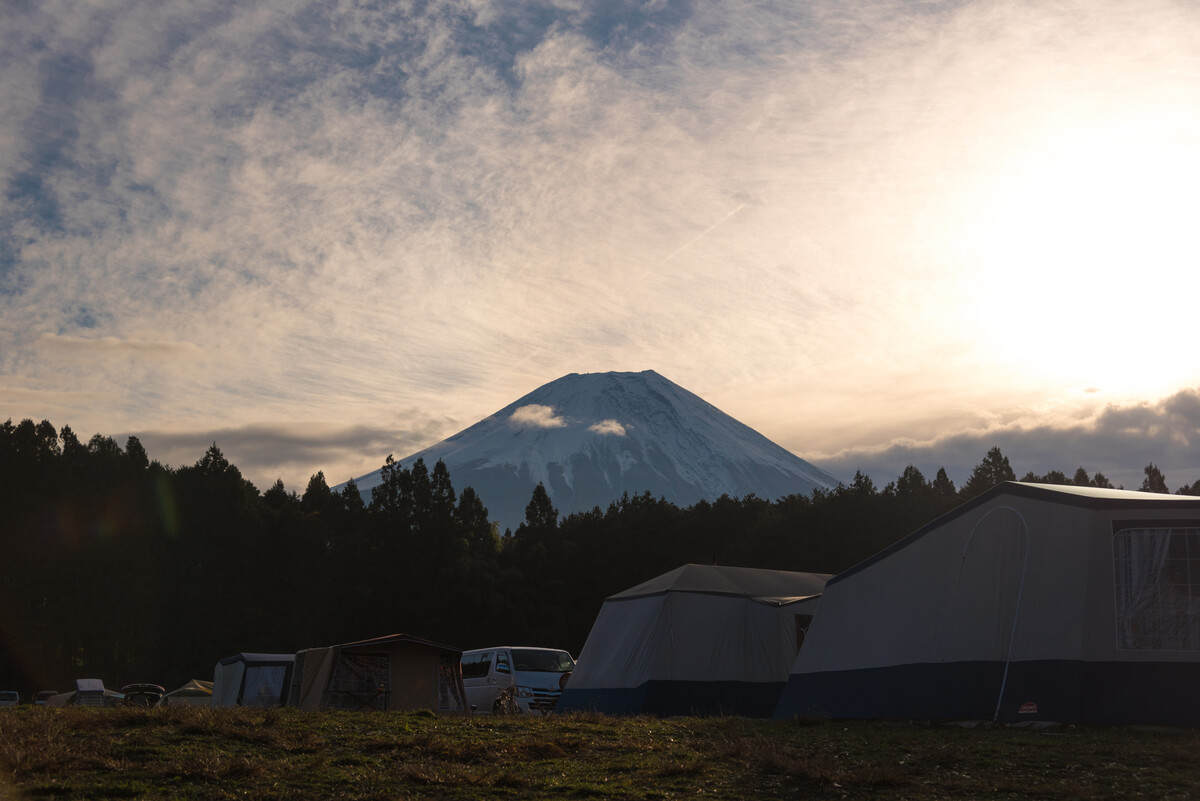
590	437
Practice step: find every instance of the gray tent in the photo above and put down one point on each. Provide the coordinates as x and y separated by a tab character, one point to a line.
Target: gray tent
701	639
387	673
252	680
1029	603
87	692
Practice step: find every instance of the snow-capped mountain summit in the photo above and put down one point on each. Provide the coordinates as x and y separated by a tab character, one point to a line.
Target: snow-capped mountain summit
591	437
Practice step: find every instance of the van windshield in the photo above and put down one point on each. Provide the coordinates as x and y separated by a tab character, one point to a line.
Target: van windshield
543	661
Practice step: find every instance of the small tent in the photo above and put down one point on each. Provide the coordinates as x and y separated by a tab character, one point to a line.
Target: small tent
1028	603
395	672
196	692
252	680
87	692
701	639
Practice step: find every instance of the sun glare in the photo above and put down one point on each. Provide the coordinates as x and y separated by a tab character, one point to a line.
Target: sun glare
1087	251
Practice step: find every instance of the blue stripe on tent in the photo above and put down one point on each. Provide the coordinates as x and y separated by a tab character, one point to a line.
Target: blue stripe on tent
1064	691
670	698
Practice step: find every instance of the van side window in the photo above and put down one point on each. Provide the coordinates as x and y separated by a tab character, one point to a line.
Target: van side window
502	662
475	666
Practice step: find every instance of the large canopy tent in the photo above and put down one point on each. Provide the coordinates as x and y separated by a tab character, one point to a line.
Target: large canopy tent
395	672
252	680
701	639
1029	603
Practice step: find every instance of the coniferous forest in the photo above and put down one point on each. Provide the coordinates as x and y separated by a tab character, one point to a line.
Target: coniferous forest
114	566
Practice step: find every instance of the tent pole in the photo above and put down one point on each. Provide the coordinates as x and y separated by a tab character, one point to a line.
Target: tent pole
1012	636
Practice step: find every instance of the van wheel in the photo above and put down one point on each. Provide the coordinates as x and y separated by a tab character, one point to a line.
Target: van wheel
506	703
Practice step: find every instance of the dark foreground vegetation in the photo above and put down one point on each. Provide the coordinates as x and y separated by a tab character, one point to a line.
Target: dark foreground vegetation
116	567
185	753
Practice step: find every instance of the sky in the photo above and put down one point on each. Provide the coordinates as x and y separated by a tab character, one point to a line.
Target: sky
879	232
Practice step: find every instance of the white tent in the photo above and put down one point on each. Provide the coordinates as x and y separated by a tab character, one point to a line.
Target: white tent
252	679
701	639
1029	603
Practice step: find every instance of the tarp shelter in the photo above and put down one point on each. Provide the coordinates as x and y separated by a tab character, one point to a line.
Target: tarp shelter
196	692
701	639
395	672
252	680
87	692
1029	603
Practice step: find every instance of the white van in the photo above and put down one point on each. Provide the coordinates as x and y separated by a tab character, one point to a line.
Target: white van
506	679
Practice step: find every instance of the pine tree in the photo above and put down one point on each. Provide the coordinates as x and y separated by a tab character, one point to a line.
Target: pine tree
1154	481
993	470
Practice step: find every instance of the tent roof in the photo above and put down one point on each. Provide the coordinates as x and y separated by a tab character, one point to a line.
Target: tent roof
269	659
194	687
775	586
398	638
1092	498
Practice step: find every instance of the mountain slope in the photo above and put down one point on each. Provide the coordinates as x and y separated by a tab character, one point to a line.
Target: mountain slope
591	437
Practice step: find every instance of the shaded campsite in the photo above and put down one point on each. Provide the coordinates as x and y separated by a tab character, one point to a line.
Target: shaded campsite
184	752
1029	603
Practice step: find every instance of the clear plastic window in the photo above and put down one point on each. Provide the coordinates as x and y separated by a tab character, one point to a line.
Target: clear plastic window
1157	582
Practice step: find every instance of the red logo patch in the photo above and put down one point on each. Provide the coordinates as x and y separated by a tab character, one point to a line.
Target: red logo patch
1028	708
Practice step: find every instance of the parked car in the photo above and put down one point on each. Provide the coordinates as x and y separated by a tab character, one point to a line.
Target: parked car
506	679
9	698
43	696
143	695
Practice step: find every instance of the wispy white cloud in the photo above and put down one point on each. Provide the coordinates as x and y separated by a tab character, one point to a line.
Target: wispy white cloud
535	415
345	210
612	428
91	347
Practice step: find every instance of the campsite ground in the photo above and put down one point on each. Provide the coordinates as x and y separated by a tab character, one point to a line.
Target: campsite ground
244	753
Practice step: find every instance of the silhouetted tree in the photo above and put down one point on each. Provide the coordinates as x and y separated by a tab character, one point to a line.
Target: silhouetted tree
1154	481
943	487
540	514
1189	489
993	470
278	497
317	496
136	454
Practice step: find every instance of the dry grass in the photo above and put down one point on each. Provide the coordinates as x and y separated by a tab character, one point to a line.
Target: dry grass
196	753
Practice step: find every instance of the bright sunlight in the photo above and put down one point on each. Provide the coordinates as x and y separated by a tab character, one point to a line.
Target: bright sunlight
1088	249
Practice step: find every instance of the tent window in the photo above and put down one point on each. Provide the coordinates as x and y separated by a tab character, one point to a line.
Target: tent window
802	624
264	685
1157	582
360	681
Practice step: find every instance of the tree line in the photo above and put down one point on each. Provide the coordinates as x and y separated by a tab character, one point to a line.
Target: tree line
115	566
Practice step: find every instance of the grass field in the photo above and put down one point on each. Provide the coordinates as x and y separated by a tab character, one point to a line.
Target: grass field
243	753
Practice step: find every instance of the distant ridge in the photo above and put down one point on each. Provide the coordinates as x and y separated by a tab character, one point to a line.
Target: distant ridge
591	437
